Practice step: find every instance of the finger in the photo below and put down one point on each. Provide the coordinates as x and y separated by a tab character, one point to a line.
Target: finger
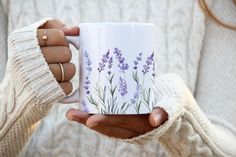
71	30
67	87
56	37
77	115
112	131
56	54
69	71
158	117
54	23
137	123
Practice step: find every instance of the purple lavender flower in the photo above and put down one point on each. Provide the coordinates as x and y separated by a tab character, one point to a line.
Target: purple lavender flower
138	59
102	64
88	61
149	61
105	57
122	87
145	69
84	106
110	63
122	65
136	94
117	52
86	87
89	69
153	69
87	81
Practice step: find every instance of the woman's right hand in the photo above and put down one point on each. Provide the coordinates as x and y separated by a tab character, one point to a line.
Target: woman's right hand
56	50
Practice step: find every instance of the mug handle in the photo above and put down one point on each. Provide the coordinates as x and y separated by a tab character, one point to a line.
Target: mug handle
73	97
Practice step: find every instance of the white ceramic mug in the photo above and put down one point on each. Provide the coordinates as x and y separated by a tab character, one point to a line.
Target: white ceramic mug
117	68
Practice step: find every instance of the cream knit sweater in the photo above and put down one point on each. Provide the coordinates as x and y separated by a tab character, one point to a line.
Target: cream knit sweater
201	54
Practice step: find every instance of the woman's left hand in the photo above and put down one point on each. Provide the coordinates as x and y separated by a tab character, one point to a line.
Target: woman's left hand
120	126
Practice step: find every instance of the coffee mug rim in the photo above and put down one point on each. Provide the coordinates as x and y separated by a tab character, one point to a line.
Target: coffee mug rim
117	23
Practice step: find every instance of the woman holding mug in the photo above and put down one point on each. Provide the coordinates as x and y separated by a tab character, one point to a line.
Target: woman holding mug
36	77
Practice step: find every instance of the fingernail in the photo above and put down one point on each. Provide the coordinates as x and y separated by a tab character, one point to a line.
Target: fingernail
69	116
157	119
70	27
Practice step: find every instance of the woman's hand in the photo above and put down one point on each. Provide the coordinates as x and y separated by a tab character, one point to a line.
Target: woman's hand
56	50
120	126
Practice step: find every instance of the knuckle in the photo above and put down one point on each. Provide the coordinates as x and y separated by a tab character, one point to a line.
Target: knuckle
71	69
62	38
60	34
54	21
67	53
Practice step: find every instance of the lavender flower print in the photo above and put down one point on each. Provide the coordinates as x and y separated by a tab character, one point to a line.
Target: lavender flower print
149	61
88	64
138	59
122	65
110	63
102	64
106	97
84	106
153	69
122	87
136	94
86	85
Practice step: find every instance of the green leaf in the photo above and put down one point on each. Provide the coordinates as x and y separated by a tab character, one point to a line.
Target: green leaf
115	109
112	78
104	94
113	90
92	101
135	76
148	95
123	105
139	105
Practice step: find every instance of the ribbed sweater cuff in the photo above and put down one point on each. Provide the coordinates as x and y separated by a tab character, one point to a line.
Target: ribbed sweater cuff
31	67
187	130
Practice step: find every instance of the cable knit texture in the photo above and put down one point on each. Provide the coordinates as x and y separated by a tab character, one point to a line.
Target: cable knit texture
199	52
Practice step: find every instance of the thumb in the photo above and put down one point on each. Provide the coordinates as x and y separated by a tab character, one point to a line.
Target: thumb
77	115
71	30
158	117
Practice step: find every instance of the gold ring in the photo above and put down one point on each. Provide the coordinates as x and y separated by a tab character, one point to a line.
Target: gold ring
45	38
62	72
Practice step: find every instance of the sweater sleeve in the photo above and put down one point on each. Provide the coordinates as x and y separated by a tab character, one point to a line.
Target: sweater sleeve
187	132
27	91
3	37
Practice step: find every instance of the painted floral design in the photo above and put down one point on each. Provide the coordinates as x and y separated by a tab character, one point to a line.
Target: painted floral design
149	61
86	86
106	98
88	64
110	64
84	106
102	64
122	87
137	60
136	94
122	64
